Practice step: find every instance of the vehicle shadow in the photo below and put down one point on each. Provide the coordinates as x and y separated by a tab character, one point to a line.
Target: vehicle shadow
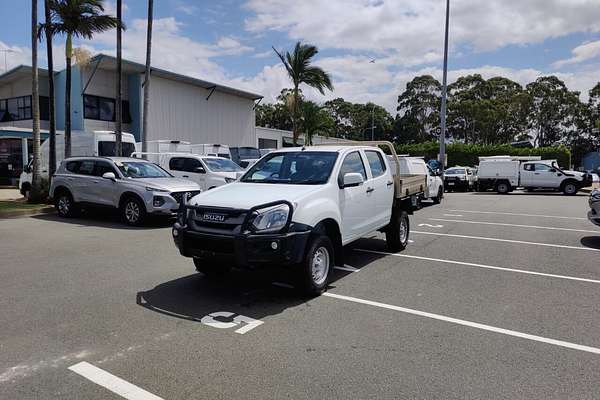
255	294
519	193
106	219
592	242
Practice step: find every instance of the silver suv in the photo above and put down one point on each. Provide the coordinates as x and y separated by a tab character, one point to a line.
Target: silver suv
133	186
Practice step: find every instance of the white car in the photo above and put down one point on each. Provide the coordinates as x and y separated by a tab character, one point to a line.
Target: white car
295	209
208	172
434	189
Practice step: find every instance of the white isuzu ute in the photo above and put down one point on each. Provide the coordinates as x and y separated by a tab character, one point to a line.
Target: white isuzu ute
295	209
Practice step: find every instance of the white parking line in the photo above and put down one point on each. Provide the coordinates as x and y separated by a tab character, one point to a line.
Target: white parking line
515	225
471	324
467	264
520	215
452	215
112	382
560	246
347	268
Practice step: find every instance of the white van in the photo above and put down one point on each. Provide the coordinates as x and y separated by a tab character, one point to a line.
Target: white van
207	171
96	143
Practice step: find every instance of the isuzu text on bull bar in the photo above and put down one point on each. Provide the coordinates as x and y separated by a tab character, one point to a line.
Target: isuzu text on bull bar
296	208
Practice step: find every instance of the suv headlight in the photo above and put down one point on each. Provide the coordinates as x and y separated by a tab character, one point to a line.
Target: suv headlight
151	189
271	219
229	180
595	196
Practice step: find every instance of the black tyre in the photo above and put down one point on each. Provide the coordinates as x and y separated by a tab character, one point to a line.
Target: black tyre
133	211
502	188
440	195
397	232
316	269
211	268
570	188
64	204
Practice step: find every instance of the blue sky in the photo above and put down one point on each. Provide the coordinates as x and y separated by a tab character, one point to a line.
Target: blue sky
229	41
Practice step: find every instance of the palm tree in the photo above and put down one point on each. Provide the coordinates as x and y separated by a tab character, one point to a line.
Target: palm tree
315	120
35	106
77	18
144	135
299	68
119	94
46	29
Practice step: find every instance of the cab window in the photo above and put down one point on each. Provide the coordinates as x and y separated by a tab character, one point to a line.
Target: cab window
176	163
375	162
542	167
352	163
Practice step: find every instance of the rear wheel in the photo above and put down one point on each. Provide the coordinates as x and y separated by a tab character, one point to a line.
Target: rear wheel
133	211
397	232
211	268
64	204
502	188
315	271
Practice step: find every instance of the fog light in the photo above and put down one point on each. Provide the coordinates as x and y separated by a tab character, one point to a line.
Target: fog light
158	201
274	245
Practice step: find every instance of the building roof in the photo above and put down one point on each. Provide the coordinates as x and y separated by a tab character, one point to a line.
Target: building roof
106	61
19	72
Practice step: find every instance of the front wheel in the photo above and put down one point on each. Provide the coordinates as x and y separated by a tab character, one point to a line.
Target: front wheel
440	194
133	212
315	270
570	188
397	232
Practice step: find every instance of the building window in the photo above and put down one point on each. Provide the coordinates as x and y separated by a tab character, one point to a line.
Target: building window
103	109
19	109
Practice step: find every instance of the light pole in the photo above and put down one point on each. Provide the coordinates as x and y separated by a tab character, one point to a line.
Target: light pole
444	92
373	122
6	51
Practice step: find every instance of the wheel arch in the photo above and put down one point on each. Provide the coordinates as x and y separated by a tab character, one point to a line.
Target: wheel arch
129	194
331	229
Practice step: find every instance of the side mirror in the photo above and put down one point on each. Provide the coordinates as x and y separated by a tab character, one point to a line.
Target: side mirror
109	175
199	170
352	179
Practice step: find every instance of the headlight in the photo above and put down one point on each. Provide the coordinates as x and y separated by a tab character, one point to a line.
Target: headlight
271	219
595	196
151	189
229	180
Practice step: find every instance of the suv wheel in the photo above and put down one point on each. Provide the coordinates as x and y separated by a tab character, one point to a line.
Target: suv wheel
502	187
64	204
316	269
438	199
133	211
397	232
570	188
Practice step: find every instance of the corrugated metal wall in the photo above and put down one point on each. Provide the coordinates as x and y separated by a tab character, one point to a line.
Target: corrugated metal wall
180	111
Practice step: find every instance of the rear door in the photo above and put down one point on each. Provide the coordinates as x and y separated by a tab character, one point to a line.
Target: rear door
83	181
354	202
382	186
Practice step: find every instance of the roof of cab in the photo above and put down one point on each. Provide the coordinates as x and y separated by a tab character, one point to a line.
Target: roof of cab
328	147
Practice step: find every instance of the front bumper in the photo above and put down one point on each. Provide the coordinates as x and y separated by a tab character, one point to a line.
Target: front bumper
240	246
161	203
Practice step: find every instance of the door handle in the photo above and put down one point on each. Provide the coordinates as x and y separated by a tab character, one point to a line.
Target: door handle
390	183
185	176
369	190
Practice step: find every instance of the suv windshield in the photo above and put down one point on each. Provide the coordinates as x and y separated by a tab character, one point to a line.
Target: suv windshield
140	169
221	165
294	167
456	171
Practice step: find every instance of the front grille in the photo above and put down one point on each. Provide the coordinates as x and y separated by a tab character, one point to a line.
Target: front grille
232	220
179	196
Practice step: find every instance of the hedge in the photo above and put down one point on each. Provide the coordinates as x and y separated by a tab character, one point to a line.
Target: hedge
468	154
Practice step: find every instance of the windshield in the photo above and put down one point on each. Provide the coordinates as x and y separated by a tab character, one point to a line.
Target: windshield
456	171
140	169
221	165
297	167
248	152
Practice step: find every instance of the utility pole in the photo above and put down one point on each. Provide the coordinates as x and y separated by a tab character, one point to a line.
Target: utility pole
444	92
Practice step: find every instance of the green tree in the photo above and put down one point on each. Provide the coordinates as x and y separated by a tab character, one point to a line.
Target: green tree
315	121
341	112
76	18
418	110
300	71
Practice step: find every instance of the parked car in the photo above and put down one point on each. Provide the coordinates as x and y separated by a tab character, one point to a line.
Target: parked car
135	187
95	143
459	178
504	173
208	172
434	188
295	209
594	213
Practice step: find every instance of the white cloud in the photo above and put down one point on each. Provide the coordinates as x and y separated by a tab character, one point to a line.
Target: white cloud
15	55
412	30
584	52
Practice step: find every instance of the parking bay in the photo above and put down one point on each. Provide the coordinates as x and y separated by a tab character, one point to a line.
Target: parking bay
148	306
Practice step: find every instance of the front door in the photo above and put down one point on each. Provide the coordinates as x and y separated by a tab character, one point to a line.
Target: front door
353	201
104	191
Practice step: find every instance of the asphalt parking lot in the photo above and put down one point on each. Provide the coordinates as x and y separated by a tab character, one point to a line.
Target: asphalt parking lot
496	297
